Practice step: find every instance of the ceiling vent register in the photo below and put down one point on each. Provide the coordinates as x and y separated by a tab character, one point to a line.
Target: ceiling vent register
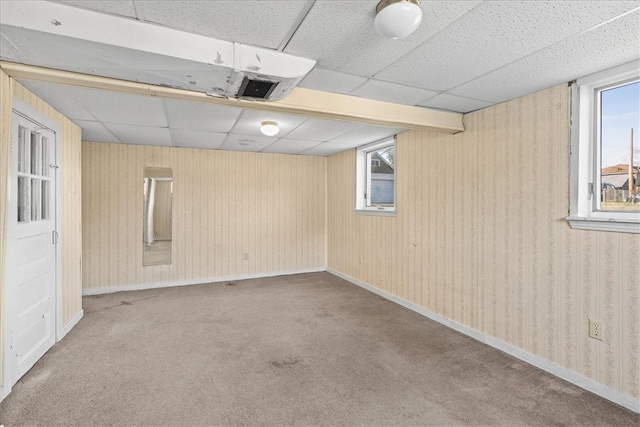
256	89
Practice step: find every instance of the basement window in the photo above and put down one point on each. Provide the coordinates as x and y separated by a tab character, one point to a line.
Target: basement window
605	154
376	178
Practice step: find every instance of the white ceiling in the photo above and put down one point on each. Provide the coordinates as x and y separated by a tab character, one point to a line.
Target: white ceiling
466	55
126	118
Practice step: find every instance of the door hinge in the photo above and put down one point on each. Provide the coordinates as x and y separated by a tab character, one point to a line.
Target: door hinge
54	237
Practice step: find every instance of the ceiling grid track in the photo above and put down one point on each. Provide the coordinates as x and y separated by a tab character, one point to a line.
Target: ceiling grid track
296	26
139	11
168	118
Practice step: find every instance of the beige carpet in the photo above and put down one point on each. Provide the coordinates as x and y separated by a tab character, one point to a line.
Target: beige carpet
300	350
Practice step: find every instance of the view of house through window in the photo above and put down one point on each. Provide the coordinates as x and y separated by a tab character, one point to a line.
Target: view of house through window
382	174
619	148
376	177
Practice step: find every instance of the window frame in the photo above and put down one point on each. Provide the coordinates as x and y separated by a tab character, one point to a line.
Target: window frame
363	178
585	182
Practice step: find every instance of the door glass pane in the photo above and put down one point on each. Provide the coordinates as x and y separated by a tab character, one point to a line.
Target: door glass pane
36	199
45	156
23	155
36	164
23	197
46	185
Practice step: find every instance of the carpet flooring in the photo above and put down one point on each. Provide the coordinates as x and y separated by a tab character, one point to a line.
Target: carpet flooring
301	350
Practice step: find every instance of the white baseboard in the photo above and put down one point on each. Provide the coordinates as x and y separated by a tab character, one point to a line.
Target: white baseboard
544	364
66	328
141	286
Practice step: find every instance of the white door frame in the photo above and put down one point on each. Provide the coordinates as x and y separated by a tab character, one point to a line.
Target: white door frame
21	108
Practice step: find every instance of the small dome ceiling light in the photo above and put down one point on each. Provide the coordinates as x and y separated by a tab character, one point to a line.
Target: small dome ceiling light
397	19
269	128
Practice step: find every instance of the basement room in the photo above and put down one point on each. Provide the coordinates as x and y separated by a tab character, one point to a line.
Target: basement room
319	212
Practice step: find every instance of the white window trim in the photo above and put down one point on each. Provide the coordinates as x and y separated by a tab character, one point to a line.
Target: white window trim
363	179
585	176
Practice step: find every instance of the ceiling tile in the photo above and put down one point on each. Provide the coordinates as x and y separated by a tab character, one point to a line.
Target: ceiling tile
604	47
10	51
123	108
326	149
392	92
257	23
235	142
341	35
114	7
250	120
458	104
93	131
493	35
331	81
200	116
140	135
197	139
290	146
366	134
59	97
322	130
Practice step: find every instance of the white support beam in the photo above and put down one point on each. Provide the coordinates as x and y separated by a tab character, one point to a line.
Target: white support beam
305	102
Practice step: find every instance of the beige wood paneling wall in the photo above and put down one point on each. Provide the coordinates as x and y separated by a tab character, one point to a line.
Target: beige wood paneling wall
480	238
70	168
225	204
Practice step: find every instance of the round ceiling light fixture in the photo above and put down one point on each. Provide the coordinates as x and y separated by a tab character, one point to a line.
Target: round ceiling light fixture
269	128
397	19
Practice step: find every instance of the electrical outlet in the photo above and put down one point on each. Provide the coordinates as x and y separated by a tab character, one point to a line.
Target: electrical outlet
245	256
596	329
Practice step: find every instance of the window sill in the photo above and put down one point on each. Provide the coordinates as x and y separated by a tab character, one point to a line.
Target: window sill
618	226
375	212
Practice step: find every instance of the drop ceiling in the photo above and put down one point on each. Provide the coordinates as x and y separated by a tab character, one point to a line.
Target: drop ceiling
466	55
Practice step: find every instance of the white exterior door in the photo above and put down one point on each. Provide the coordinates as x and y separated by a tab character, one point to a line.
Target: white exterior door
31	247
